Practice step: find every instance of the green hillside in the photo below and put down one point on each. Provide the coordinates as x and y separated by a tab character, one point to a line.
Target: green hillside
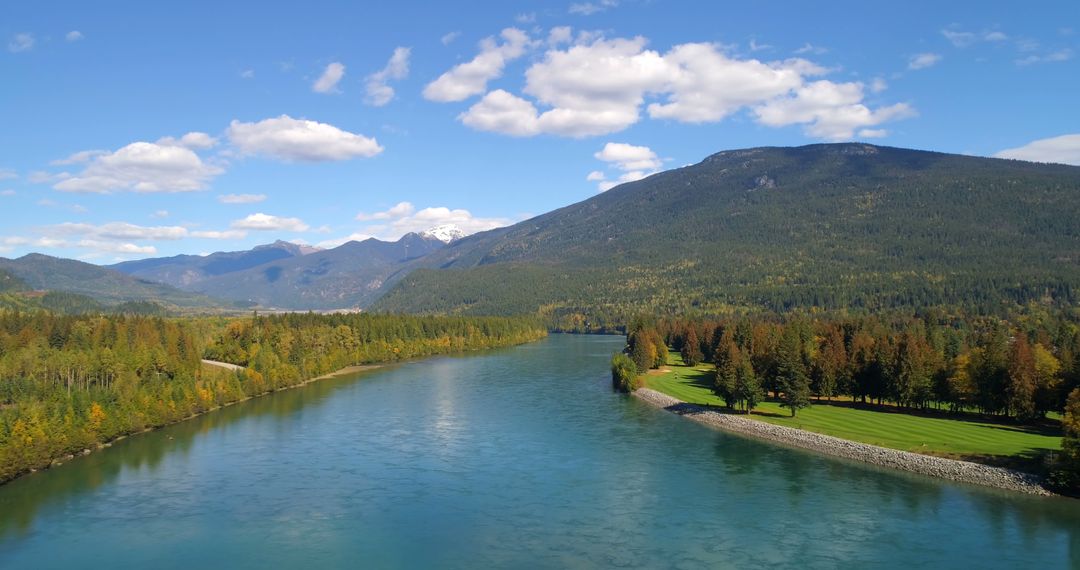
79	281
828	226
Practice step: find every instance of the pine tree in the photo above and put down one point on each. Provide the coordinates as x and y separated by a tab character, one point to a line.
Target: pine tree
791	376
691	349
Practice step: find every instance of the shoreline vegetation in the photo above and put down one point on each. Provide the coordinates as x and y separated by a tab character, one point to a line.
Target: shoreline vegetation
940	467
934	394
73	384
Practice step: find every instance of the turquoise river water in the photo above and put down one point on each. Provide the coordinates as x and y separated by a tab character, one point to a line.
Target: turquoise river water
521	458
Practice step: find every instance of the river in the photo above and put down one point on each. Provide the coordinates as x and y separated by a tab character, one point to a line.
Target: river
521	457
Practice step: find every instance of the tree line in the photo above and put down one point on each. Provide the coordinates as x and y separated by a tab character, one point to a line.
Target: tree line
69	383
1021	370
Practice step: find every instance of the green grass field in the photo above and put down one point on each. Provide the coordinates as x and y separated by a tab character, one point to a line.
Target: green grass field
966	436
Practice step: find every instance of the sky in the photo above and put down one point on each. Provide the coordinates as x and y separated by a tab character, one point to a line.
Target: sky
145	129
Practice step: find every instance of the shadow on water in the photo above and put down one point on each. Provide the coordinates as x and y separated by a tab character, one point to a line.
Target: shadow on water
21	500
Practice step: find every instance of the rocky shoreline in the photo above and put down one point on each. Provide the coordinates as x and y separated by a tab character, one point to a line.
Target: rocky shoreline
950	469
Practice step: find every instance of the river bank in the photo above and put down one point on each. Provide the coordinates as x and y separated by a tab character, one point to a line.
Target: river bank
950	469
58	461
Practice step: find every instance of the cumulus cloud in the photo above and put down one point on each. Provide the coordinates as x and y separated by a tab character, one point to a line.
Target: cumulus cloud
599	86
634	162
292	139
192	140
327	82
219	234
379	92
923	60
629	157
400	210
266	222
241	198
471	78
1064	149
21	42
137	167
73	36
959	38
449	37
828	110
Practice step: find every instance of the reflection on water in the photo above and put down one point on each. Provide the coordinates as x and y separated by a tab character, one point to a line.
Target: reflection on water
520	457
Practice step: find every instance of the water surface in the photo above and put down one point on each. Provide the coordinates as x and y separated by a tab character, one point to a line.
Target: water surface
515	458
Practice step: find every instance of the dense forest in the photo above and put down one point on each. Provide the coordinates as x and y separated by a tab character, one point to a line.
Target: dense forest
821	227
70	383
1022	370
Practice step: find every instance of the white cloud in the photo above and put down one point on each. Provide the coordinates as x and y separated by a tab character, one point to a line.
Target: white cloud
224	234
634	162
327	82
247	74
73	36
192	140
828	110
399	210
335	242
995	36
79	157
629	157
959	38
598	86
241	198
502	112
590	8
119	231
448	38
21	42
1064	149
560	35
7	174
1052	57
923	60
8	192
873	133
137	167
379	93
526	18
707	85
160	214
812	49
470	78
113	247
292	139
878	85
266	222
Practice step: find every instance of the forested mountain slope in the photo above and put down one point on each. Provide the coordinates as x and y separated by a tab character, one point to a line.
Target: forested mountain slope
829	226
186	270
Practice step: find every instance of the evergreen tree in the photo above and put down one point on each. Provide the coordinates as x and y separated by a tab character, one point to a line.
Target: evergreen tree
691	348
791	378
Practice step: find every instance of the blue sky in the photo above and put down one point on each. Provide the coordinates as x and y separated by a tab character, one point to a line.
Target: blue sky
145	129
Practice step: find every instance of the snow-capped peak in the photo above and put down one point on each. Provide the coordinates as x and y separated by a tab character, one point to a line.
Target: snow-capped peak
445	233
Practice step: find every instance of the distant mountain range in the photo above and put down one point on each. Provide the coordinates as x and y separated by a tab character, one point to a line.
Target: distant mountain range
828	226
45	273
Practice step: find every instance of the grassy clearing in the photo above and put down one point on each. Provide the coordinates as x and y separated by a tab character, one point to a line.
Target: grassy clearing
968	437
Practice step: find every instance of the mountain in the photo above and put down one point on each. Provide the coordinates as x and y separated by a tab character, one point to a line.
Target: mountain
101	284
446	233
829	226
186	270
350	275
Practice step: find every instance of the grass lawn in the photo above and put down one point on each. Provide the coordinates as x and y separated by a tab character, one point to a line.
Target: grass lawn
966	436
